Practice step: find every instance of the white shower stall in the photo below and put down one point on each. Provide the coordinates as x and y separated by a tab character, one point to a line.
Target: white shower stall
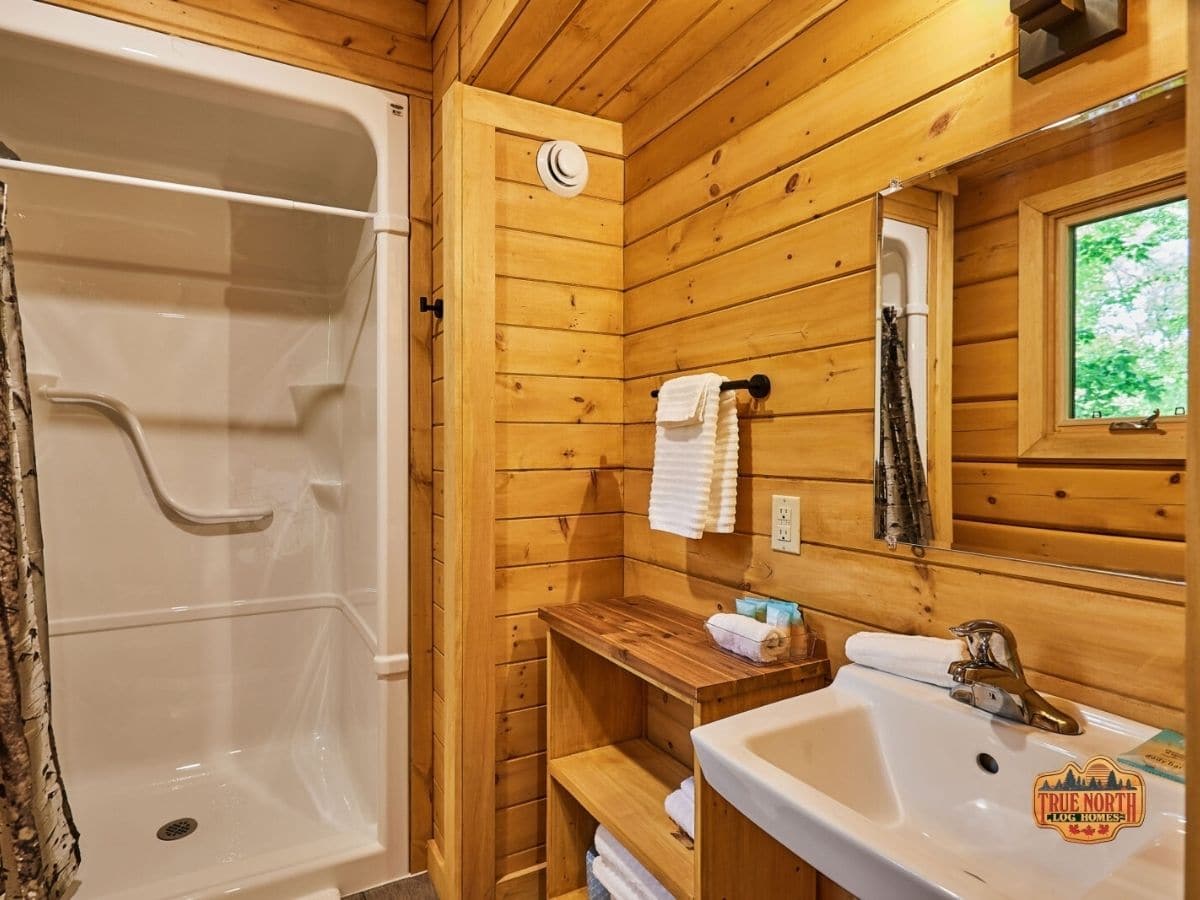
211	258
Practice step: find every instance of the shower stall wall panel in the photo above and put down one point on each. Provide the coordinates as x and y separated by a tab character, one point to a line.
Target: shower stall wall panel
250	676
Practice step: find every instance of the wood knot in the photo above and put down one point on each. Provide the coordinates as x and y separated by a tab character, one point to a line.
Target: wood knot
792	184
714	190
940	124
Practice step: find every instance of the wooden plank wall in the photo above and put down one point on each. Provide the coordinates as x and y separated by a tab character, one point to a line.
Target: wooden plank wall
1131	516
442	23
420	549
378	42
558	449
557	444
750	247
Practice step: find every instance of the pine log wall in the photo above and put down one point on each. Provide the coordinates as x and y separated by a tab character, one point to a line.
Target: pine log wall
1130	515
750	247
558	451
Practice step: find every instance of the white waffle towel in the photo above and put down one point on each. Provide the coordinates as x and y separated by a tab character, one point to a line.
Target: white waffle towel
694	485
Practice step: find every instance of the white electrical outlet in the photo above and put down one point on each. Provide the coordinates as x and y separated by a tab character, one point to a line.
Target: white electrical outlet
785	523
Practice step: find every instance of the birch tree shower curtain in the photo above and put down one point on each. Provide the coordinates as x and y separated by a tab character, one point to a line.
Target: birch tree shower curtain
39	845
901	493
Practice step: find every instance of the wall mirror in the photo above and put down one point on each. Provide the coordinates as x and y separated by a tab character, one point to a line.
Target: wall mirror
1032	346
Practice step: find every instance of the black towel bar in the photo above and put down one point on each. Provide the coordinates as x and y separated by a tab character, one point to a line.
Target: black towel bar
759	386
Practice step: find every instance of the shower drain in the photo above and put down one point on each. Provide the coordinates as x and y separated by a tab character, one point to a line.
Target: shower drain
176	829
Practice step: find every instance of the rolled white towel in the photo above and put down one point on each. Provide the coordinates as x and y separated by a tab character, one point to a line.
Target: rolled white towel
920	658
682	809
748	637
637	877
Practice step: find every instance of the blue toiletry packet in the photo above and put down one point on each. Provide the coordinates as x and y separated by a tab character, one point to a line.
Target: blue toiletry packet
1162	755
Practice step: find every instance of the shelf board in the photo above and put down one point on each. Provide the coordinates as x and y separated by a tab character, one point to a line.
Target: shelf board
669	647
577	894
623	786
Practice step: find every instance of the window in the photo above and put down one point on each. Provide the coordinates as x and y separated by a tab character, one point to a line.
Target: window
1103	330
1129	328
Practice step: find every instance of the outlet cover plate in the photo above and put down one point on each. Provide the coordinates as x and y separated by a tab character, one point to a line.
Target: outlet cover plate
785	523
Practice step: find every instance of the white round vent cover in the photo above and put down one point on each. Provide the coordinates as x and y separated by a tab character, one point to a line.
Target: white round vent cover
563	166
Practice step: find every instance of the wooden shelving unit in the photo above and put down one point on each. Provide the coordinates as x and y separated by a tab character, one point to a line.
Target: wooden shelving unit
608	765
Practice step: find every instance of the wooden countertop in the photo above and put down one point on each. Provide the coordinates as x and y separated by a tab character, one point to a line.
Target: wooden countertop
669	647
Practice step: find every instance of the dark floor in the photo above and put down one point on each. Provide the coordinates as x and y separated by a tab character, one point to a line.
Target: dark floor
418	887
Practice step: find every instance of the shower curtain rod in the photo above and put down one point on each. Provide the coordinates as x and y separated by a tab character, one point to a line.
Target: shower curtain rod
174	187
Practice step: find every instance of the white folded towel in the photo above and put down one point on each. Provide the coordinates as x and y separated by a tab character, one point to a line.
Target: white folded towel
693	488
633	880
748	637
682	809
681	401
689	787
920	658
617	886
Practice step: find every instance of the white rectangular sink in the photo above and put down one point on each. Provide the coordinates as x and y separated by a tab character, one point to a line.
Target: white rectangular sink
883	785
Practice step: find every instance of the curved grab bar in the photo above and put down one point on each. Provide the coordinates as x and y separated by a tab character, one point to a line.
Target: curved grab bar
134	428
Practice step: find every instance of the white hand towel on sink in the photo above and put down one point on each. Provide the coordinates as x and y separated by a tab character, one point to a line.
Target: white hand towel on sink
920	658
755	640
693	488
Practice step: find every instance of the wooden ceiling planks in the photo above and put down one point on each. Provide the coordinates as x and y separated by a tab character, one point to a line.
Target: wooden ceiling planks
644	62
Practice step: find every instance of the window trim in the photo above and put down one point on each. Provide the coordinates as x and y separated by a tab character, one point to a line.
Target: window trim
1044	429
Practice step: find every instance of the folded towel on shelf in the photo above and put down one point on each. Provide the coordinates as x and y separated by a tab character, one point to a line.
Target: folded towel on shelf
756	641
693	487
689	787
595	889
634	880
682	809
920	658
612	882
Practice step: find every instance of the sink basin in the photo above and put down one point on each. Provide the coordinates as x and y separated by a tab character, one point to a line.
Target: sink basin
884	785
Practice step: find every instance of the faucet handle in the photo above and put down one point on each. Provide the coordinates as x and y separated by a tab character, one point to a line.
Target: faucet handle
981	636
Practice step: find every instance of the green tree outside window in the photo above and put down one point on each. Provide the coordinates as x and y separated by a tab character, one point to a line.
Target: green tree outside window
1130	323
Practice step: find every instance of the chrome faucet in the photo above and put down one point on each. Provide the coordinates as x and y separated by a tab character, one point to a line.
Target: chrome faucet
994	680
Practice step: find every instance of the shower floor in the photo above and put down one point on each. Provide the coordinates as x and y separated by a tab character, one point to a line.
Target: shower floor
254	813
246	724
